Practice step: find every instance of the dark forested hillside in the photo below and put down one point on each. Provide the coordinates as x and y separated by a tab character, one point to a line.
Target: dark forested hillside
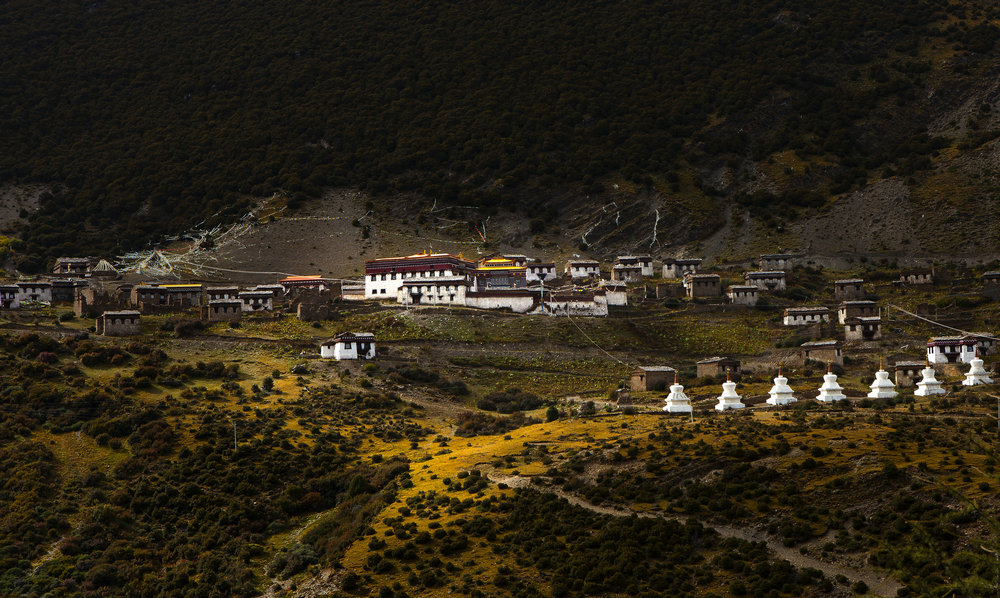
146	117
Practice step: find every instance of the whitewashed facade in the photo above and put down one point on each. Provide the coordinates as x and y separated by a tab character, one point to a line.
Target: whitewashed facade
805	316
349	345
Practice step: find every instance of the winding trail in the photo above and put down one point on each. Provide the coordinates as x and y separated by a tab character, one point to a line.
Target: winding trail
878	584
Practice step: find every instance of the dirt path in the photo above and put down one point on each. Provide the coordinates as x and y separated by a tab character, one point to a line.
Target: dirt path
878	584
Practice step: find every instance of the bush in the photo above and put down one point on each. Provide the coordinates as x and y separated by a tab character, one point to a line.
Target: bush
509	401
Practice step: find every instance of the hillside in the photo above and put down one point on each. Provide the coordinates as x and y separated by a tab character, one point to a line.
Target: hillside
148	119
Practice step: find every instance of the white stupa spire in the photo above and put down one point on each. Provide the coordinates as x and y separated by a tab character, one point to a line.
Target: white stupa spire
928	385
830	391
781	393
977	373
882	387
677	401
729	399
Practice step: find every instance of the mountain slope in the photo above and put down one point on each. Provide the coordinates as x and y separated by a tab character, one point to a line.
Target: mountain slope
149	118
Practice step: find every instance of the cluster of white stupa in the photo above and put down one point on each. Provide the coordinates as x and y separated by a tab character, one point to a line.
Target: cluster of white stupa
782	394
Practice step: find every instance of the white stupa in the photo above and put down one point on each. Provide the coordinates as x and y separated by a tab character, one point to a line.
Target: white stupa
781	392
882	387
830	391
729	399
928	385
677	401
977	373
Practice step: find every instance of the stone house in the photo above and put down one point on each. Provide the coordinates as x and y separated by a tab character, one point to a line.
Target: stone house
35	291
717	366
644	262
221	293
703	285
254	301
119	323
72	266
776	261
626	273
908	373
223	310
652	377
862	329
537	271
849	289
578	269
743	294
771	280
678	267
9	296
822	351
805	316
856	309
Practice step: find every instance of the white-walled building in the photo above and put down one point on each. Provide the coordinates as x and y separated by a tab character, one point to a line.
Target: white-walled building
256	301
535	271
740	294
349	345
805	316
35	291
516	300
385	276
221	293
644	262
578	269
9	296
951	349
435	291
616	292
862	329
678	267
577	303
773	280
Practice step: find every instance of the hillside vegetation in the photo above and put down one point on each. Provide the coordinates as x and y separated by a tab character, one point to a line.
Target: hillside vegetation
148	118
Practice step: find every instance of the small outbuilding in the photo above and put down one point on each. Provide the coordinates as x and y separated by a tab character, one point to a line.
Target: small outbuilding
822	351
678	267
349	345
862	329
223	310
578	269
717	366
703	285
908	372
652	377
776	261
119	323
743	294
805	316
849	289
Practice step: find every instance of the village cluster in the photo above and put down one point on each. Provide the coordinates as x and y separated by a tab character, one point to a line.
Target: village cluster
517	284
